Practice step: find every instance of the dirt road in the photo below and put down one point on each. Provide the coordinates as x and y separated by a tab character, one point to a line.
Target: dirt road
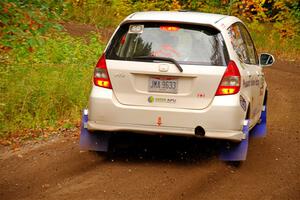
149	167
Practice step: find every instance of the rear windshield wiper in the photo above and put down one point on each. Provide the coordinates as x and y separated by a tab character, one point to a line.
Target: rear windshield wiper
152	58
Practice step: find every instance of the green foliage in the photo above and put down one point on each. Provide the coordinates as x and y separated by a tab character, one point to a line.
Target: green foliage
47	85
46	74
273	42
295	10
107	13
97	12
23	22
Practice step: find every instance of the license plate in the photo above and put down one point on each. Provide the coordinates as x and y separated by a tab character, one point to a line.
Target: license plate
163	84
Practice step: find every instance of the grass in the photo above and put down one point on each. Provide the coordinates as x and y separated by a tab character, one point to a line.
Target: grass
48	86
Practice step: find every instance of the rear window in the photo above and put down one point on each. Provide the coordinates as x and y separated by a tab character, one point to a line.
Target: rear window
187	44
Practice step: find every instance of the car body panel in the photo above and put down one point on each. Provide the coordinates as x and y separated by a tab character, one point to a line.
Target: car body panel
113	116
197	85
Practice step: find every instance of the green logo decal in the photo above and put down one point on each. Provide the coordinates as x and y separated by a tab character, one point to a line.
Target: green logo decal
151	99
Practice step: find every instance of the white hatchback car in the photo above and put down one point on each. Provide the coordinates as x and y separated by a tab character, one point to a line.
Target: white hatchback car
179	73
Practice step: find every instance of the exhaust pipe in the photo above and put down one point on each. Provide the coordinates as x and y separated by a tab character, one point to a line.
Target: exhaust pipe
199	131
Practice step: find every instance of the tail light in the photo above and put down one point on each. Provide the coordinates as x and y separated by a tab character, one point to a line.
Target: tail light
169	28
231	81
101	77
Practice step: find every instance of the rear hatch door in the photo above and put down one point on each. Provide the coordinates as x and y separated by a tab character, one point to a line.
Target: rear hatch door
189	82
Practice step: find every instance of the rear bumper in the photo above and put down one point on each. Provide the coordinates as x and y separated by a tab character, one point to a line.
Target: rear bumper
229	135
223	119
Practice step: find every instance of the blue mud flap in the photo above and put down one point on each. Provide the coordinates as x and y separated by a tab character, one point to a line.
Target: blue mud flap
92	141
238	151
260	130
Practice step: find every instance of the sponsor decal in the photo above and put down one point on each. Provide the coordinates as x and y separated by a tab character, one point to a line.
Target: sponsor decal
159	121
152	99
119	75
253	82
246	83
255	111
136	28
200	95
262	85
243	103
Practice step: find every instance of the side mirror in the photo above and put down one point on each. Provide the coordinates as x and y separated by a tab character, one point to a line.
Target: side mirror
266	60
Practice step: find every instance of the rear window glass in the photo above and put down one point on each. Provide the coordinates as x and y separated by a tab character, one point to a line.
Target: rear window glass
188	44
